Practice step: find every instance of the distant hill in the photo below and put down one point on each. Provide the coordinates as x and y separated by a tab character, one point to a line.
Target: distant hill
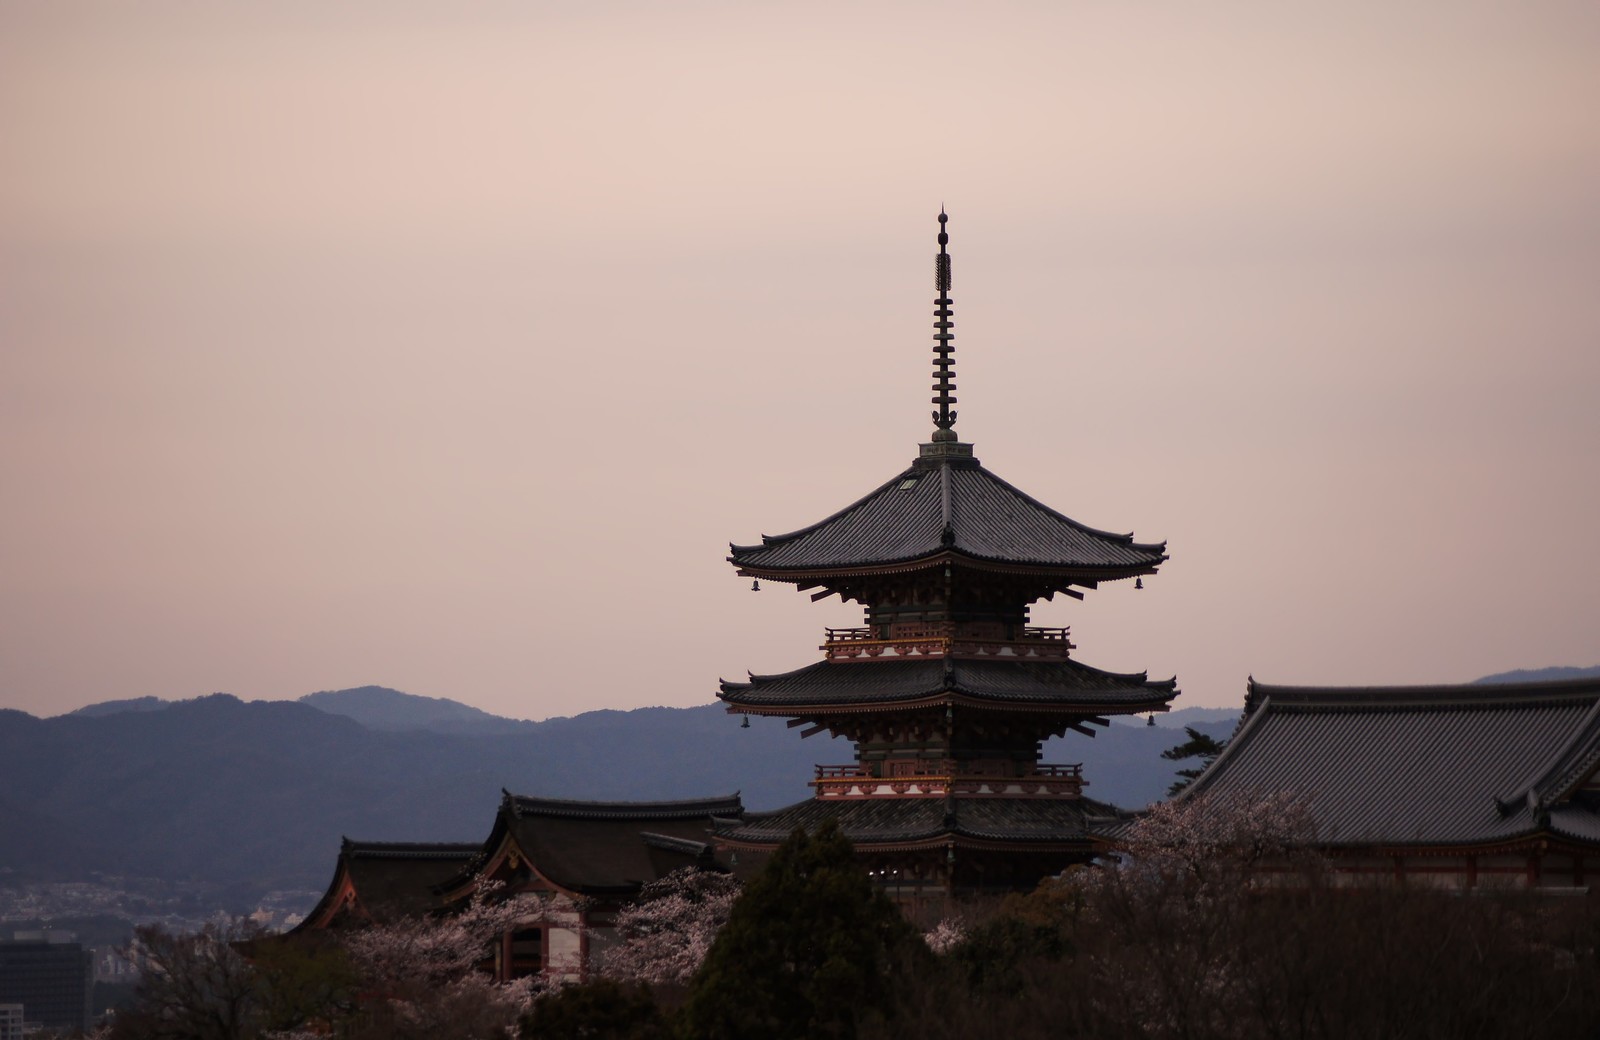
1541	674
380	708
256	795
1183	717
117	707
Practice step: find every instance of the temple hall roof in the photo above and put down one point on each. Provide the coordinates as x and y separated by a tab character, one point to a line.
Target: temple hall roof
602	848
390	880
1056	685
948	505
912	821
1422	765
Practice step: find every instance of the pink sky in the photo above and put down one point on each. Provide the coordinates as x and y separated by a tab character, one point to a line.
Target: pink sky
447	346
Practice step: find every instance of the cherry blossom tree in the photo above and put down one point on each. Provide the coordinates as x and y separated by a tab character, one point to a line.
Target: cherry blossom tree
665	935
430	977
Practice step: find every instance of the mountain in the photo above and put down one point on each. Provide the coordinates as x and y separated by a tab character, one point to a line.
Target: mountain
1183	717
222	791
256	795
380	708
1541	674
117	707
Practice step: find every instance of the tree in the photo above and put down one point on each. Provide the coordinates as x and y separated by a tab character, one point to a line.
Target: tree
666	935
1199	745
193	986
601	1009
809	950
428	976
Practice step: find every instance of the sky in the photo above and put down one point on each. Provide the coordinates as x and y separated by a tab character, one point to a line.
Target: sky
447	346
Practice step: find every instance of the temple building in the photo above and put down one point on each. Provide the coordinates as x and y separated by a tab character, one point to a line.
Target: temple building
572	864
375	882
1483	784
946	690
575	864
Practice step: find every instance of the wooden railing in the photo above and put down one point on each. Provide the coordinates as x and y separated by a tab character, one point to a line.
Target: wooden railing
939	641
928	777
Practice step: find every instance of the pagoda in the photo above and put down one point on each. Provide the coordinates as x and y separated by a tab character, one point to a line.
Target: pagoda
946	691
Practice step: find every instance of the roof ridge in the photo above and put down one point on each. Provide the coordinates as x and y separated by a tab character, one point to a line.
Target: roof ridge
1125	539
1435	695
535	805
773	539
1571	762
1249	722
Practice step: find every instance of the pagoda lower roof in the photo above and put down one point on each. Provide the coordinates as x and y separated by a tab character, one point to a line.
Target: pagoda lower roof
948	506
1055	685
869	822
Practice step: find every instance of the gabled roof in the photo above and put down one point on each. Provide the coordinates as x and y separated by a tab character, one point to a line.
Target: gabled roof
913	821
602	848
387	880
1422	765
1053	685
942	506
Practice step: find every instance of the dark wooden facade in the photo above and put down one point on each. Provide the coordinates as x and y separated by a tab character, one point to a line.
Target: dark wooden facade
571	864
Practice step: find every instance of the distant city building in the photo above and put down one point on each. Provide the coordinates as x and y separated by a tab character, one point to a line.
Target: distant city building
51	980
10	1022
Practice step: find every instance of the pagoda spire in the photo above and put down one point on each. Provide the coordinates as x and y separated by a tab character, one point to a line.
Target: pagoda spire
944	420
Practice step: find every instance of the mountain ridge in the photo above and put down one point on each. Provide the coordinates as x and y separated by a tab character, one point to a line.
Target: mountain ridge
257	794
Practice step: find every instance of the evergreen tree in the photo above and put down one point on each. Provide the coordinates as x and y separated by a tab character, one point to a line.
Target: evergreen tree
1197	746
808	951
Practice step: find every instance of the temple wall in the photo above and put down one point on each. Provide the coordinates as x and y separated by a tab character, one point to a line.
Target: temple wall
1503	870
564	950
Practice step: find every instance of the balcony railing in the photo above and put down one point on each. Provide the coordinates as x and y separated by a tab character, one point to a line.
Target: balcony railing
938	777
938	641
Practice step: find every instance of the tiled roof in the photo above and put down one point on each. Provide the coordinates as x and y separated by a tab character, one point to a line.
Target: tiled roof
694	808
391	879
1056	684
1422	765
880	821
949	506
610	847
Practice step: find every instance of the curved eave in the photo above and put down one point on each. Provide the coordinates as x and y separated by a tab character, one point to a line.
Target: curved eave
1067	572
939	700
934	841
1122	694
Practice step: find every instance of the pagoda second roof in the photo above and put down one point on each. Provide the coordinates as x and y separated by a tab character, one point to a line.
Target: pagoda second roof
880	821
948	505
852	685
1422	765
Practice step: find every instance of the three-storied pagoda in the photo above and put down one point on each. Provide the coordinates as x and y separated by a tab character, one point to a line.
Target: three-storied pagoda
946	691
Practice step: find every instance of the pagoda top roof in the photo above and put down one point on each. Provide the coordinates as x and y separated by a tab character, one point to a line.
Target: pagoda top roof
1054	685
913	821
1422	765
947	503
